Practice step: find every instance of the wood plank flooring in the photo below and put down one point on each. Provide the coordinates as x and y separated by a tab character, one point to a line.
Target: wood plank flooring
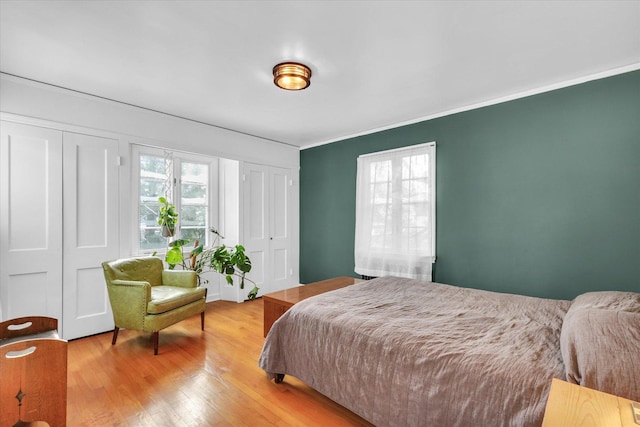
208	378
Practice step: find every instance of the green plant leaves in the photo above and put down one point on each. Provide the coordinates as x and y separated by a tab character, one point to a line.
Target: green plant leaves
167	215
253	294
230	261
197	251
178	243
174	256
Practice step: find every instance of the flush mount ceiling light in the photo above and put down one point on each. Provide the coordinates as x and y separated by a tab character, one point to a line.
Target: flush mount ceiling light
291	76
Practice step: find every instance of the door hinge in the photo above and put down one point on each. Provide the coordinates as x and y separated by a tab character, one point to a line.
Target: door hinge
119	161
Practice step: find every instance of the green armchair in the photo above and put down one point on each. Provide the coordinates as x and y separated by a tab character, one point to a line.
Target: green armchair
146	297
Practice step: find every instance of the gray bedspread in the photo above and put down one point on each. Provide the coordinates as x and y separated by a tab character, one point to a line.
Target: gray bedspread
400	352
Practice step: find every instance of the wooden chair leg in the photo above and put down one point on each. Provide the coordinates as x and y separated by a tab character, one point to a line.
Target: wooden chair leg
115	335
206	290
156	338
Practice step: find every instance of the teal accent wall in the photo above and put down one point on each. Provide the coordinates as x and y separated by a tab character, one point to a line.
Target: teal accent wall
537	196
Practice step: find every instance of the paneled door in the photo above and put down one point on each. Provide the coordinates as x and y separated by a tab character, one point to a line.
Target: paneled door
30	221
280	261
256	222
267	226
91	225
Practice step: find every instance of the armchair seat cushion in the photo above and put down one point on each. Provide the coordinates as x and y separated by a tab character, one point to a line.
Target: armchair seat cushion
166	298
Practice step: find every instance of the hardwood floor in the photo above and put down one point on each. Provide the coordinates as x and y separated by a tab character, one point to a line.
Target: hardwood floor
208	378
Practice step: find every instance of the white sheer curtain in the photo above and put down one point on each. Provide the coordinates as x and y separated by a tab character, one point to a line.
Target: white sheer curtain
395	212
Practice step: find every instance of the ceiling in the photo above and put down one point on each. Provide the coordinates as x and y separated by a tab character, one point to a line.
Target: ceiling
375	64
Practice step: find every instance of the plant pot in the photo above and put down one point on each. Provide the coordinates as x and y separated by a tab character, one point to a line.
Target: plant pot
167	232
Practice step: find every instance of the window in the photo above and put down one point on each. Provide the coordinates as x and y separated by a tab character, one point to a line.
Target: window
187	182
194	201
153	183
395	212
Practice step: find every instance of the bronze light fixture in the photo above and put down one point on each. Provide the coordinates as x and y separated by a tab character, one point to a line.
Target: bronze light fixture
291	76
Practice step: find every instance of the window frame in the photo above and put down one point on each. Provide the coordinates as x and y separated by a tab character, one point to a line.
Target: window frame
177	158
394	253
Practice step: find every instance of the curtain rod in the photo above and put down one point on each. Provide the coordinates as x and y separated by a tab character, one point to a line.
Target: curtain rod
408	147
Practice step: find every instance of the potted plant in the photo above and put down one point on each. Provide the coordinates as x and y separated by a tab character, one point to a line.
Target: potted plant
167	217
230	261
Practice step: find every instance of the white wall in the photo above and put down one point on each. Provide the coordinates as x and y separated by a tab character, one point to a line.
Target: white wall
36	100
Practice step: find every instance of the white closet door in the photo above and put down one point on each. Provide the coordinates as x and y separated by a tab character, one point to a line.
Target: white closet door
30	221
267	218
280	245
90	231
256	222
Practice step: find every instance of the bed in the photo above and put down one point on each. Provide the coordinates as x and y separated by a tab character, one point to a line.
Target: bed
404	352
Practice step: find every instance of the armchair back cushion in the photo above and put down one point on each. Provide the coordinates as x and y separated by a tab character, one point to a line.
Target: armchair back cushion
143	269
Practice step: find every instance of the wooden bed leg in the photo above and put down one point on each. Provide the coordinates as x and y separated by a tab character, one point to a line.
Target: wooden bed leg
279	378
156	338
115	335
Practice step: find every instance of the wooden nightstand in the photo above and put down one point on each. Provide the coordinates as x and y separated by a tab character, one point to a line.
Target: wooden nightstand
573	405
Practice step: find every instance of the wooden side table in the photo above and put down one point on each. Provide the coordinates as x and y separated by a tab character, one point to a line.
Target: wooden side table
277	303
572	405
